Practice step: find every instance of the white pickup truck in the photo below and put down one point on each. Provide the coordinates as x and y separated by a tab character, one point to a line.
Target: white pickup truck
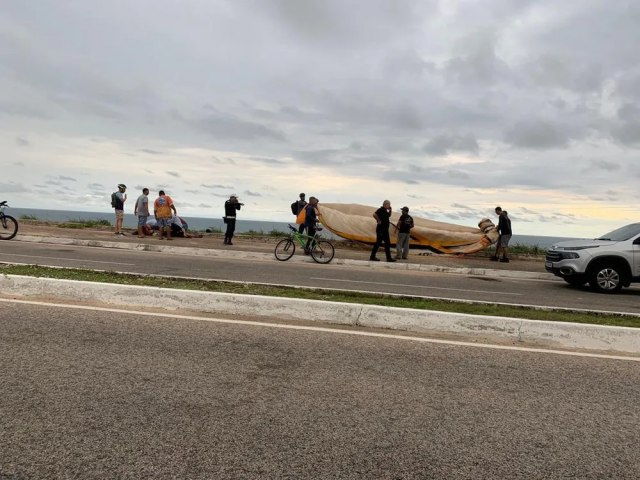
608	263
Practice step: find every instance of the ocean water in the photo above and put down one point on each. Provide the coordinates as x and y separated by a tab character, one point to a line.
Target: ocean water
242	226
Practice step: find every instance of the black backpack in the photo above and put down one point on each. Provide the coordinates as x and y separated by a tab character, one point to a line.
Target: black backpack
114	200
294	208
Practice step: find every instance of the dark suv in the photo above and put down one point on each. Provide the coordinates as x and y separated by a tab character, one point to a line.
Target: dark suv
608	263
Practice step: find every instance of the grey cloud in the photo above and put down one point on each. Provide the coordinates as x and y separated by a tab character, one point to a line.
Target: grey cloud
204	205
444	144
252	194
18	164
173	174
53	182
150	151
537	134
458	174
214	186
627	128
603	165
268	161
227	126
194	192
12	187
21	142
66	179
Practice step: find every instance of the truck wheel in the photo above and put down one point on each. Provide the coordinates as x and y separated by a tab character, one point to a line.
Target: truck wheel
607	278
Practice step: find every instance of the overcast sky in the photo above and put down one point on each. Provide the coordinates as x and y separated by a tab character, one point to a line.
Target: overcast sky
449	107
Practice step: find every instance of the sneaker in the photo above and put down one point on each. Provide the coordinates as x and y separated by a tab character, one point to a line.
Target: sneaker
122	234
374	259
504	260
494	259
391	260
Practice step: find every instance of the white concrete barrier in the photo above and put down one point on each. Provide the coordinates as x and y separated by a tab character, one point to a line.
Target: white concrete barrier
541	333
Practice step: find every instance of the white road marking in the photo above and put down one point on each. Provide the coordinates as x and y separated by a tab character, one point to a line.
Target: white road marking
63	258
492	292
325	330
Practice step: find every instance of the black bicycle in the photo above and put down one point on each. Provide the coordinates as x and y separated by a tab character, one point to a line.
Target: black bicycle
8	224
321	251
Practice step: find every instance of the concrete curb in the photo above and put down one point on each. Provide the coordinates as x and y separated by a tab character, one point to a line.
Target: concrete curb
540	333
243	255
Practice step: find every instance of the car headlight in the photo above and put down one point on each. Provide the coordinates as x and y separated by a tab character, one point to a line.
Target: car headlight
568	255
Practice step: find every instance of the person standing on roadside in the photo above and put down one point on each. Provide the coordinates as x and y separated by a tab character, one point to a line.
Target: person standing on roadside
382	232
162	208
504	229
141	210
310	220
296	209
120	197
230	208
404	226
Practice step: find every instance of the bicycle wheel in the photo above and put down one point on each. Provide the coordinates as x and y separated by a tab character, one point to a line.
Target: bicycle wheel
322	251
285	249
8	227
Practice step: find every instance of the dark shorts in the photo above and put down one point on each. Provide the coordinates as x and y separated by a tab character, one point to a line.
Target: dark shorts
504	240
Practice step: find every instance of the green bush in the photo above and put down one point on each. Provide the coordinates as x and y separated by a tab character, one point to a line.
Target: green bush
28	217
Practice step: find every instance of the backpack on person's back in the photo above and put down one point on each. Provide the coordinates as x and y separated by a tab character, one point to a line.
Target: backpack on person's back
294	208
114	200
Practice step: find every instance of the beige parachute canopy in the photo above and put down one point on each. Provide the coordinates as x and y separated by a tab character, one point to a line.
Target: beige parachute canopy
356	222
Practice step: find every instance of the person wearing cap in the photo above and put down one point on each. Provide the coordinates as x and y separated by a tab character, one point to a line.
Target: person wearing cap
230	208
382	232
404	226
120	198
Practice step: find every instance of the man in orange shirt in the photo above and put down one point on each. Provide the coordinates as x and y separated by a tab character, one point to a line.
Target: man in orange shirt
162	208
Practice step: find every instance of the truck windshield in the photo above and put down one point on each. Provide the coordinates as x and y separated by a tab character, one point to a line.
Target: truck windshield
623	233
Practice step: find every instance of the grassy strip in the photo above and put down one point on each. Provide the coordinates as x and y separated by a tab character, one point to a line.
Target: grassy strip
386	300
80	223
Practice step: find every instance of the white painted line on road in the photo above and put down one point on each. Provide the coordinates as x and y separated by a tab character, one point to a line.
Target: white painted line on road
492	292
326	330
63	258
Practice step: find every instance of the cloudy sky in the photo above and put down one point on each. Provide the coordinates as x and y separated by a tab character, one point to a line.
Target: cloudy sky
449	107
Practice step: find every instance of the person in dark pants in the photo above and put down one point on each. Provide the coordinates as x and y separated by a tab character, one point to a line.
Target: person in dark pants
504	228
230	208
297	207
310	219
382	232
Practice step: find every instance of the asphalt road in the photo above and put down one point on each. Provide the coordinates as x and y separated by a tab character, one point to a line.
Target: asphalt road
91	394
553	292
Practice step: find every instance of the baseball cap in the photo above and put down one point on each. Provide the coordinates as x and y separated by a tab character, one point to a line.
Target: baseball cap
405	208
122	185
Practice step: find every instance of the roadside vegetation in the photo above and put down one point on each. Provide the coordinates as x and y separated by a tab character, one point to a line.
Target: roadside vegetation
325	295
81	223
28	217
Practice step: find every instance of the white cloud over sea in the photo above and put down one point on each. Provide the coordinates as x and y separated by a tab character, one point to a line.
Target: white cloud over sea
450	107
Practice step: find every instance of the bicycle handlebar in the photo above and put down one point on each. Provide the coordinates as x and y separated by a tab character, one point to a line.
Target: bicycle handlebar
3	203
292	228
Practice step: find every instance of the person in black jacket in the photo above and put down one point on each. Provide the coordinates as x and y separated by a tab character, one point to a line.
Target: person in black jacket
504	229
382	232
230	208
297	207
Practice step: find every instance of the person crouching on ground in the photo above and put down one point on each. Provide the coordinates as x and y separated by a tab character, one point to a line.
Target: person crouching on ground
230	208
162	208
504	229
404	226
382	232
141	210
